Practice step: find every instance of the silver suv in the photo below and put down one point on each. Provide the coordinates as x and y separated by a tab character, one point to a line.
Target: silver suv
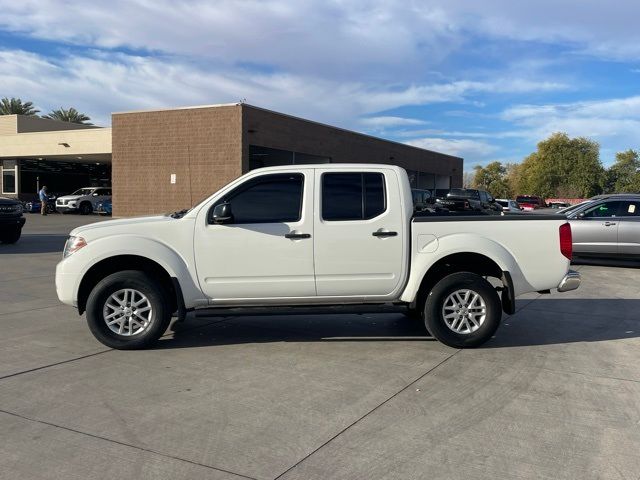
607	226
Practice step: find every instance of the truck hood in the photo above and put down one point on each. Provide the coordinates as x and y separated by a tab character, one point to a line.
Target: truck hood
120	226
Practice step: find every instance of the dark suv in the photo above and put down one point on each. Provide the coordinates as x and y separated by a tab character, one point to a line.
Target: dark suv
469	199
11	220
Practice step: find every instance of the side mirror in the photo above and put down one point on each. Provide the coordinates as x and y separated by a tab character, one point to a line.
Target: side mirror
222	213
580	216
95	194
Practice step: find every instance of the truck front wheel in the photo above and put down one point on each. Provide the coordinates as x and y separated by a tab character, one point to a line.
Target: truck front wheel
463	310
128	310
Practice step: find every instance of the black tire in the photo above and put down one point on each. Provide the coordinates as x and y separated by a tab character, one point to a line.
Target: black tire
86	208
143	283
433	310
11	236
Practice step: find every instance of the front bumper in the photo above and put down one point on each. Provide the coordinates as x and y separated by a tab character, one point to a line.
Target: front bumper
66	285
571	281
66	208
11	221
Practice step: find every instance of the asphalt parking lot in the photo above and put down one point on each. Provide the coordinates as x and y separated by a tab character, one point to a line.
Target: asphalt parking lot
556	394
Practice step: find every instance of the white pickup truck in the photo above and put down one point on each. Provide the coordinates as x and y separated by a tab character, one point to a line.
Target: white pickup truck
312	235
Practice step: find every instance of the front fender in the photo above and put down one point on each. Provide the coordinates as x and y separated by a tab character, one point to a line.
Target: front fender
425	258
78	264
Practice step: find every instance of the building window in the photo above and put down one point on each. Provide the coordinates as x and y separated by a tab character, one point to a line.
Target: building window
352	196
9	174
260	157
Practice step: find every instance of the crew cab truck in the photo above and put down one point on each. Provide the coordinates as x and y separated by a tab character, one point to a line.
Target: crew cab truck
311	235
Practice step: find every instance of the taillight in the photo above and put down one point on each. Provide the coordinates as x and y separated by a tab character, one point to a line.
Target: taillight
566	242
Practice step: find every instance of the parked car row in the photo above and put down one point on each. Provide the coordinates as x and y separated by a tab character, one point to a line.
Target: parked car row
83	201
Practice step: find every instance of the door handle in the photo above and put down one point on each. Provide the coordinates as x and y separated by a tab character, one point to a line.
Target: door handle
609	224
384	233
296	235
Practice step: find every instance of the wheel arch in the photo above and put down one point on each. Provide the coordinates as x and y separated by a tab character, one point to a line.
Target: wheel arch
118	263
470	261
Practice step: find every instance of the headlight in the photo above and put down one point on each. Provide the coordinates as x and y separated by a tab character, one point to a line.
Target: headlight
19	209
73	245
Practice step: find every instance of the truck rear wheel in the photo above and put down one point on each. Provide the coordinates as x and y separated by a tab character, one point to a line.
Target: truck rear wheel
463	310
128	310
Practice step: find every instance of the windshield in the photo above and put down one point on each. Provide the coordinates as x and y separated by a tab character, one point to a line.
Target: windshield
573	207
83	191
524	199
461	192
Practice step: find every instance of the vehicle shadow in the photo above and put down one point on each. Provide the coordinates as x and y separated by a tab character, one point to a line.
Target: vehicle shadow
543	322
35	243
607	262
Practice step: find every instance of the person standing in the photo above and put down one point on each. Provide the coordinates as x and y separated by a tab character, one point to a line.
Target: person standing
43	200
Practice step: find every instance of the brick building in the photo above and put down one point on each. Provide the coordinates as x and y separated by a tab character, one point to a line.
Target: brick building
165	160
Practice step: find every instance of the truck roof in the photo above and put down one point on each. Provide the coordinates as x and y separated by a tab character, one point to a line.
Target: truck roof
330	166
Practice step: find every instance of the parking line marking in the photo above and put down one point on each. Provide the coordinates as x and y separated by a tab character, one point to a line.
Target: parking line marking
368	413
117	442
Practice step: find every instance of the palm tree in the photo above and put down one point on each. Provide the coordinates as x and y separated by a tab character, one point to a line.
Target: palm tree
70	115
14	106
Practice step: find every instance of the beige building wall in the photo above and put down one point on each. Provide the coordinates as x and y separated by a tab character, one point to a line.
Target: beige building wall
91	143
201	146
12	124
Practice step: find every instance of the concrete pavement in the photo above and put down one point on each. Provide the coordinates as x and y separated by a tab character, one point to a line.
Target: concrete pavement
556	394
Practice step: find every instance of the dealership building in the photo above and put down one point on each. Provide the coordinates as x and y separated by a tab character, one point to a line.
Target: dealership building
164	160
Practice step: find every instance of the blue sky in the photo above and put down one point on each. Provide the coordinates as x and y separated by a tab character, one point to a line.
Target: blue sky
482	80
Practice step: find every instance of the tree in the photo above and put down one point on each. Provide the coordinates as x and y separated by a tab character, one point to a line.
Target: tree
493	179
70	115
624	175
563	167
467	179
14	106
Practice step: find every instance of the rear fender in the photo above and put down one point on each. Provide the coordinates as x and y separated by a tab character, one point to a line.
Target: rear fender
462	243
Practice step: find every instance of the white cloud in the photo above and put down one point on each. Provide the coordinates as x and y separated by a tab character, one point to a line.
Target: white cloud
334	38
390	121
470	150
603	119
99	83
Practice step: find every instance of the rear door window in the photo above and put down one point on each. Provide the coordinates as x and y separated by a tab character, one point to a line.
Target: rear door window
352	196
629	208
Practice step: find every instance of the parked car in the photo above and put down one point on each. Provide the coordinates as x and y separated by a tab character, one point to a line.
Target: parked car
558	204
104	207
530	202
34	205
422	199
571	208
11	220
83	200
325	234
608	226
509	205
468	199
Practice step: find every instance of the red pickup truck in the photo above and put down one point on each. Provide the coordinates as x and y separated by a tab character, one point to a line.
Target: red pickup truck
530	202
